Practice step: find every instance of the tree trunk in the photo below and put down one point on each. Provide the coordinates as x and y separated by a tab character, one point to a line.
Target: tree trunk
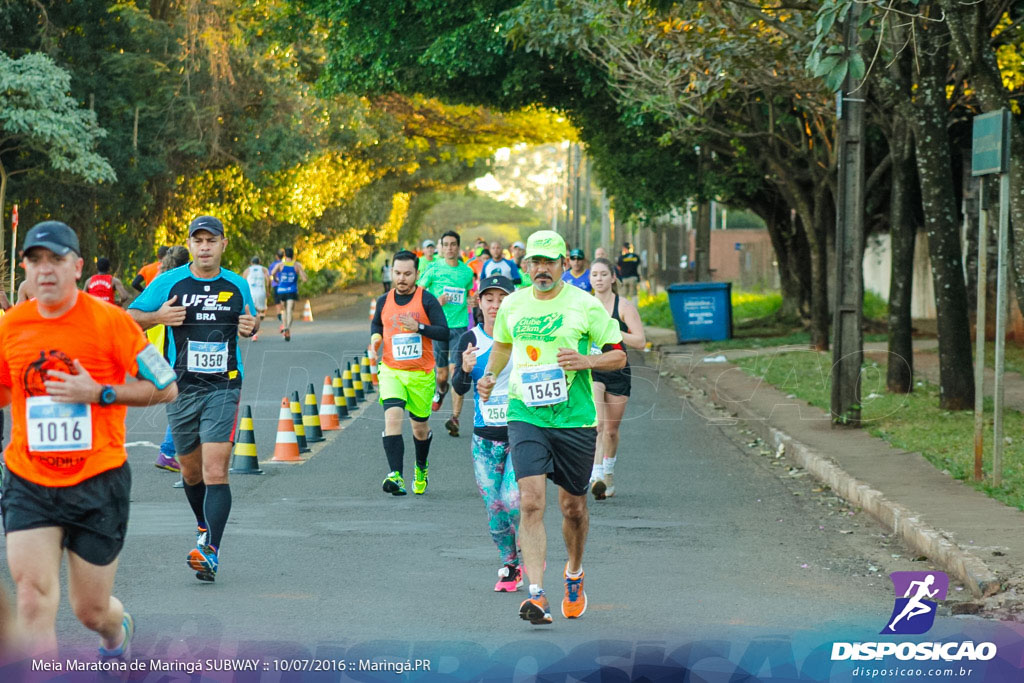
900	370
823	221
970	26
938	198
791	257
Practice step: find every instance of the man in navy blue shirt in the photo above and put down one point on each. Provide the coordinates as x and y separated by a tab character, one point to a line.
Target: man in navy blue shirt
578	273
205	308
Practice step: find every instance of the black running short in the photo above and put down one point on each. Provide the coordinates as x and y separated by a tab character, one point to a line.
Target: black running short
287	296
93	513
198	417
565	455
616	382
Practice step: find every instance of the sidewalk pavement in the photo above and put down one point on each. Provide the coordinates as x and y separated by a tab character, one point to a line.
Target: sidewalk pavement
966	534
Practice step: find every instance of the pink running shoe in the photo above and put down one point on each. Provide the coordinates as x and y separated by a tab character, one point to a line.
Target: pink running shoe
510	578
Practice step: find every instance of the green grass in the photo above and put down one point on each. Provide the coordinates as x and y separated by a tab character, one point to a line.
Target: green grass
754	305
741	341
911	422
654	310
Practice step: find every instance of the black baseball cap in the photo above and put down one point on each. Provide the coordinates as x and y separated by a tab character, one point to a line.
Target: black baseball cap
497	282
52	235
207	223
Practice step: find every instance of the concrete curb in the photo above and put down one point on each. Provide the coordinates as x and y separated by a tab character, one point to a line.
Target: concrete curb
918	536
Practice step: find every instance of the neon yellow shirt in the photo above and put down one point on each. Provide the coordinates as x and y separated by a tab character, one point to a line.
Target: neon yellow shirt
537	328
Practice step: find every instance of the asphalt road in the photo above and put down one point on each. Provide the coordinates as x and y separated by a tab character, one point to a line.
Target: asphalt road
705	538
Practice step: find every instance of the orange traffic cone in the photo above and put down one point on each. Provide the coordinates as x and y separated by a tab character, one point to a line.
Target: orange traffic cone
307	313
286	447
328	411
373	371
373	309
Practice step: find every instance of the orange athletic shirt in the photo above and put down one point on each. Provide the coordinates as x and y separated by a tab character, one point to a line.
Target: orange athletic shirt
106	341
149	272
389	316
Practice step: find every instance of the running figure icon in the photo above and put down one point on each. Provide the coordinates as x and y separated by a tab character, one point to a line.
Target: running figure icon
917	595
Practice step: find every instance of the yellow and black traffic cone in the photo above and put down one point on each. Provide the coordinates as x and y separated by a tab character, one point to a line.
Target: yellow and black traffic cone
357	381
311	417
243	459
364	374
300	431
350	392
339	396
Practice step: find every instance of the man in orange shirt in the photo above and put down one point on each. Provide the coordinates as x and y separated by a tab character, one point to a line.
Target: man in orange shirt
148	272
64	363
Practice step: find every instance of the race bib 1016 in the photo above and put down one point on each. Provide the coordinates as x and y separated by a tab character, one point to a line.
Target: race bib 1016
543	385
406	346
56	426
207	357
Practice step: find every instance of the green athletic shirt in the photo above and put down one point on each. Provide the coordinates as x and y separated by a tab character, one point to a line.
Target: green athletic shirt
527	282
425	264
537	328
440	275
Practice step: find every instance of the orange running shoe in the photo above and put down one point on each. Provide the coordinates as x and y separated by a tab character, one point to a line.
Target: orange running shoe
535	609
574	604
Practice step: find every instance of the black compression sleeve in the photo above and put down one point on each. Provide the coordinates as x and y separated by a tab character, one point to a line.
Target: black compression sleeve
139	283
438	327
462	381
377	326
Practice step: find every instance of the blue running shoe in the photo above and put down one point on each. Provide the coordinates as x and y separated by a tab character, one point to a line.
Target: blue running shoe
204	562
128	624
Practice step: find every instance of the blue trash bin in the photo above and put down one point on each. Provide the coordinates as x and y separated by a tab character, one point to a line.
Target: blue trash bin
702	311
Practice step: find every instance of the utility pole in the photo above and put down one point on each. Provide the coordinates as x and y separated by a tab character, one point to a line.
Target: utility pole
848	349
702	232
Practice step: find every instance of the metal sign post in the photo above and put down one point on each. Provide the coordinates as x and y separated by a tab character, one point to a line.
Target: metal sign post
990	153
979	332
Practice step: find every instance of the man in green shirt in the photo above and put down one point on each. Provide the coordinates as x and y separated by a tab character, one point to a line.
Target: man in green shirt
429	256
451	281
547	331
518	251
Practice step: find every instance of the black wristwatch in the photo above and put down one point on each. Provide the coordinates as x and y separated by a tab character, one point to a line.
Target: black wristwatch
107	395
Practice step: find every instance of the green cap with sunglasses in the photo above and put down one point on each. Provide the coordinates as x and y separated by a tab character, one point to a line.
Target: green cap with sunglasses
545	244
576	254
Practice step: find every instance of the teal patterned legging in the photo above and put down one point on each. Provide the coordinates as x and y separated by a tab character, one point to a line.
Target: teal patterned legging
492	465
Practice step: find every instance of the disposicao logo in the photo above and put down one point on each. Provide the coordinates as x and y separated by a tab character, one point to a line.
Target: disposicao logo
917	596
